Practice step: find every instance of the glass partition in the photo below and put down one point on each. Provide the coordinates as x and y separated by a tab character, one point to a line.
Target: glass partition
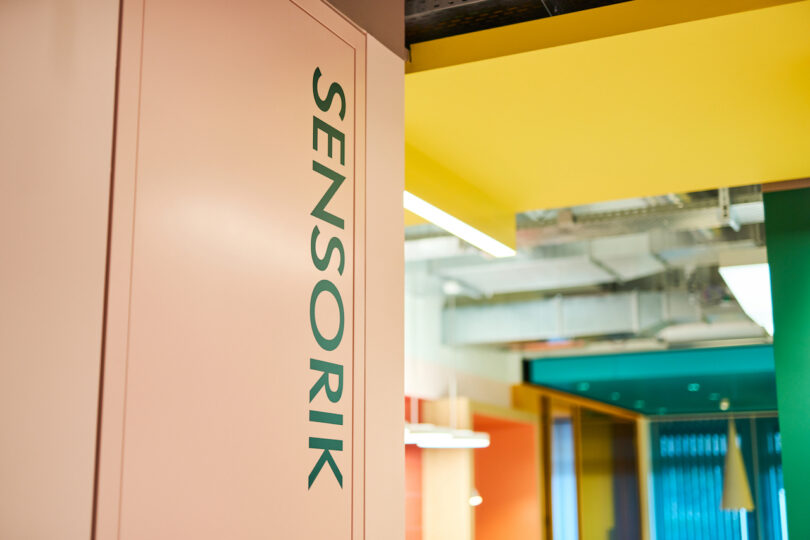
564	496
688	457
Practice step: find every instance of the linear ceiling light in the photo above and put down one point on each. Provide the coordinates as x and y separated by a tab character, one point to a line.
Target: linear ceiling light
430	436
751	286
460	439
456	227
420	434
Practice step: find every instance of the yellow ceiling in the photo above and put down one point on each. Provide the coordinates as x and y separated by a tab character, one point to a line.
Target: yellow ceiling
612	20
715	102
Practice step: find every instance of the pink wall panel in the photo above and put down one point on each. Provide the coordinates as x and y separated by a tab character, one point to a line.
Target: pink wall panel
385	293
57	83
207	429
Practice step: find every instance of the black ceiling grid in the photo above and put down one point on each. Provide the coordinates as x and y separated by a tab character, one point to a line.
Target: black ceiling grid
433	19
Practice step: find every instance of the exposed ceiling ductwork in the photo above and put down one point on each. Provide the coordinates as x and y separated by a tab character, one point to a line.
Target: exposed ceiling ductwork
599	261
567	317
632	271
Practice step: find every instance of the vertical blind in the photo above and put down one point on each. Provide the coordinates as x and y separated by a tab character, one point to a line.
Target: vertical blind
688	459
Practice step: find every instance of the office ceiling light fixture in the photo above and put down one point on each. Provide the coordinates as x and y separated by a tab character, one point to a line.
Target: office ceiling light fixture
451	287
461	439
456	227
430	436
420	434
475	498
751	286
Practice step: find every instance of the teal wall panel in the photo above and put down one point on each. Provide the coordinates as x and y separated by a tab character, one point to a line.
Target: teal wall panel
667	382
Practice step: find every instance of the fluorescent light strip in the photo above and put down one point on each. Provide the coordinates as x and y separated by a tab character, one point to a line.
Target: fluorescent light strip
430	436
456	227
476	441
751	286
421	433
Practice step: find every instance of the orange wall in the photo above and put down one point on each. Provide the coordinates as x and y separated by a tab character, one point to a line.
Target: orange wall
506	476
413	492
413	484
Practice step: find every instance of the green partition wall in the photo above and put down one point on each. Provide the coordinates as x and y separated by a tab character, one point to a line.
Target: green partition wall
787	224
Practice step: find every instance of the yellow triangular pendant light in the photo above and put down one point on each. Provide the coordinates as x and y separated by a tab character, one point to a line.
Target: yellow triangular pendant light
736	490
